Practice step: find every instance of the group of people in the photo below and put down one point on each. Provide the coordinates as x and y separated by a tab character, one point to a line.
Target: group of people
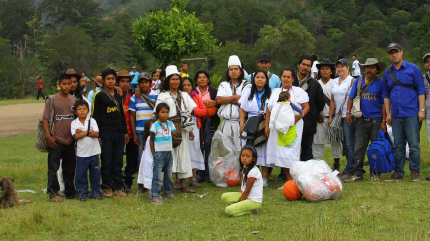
166	122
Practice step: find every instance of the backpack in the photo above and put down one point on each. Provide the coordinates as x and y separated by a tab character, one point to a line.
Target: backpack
380	155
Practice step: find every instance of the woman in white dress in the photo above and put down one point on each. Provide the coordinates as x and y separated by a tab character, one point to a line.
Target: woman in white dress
181	154
286	156
253	101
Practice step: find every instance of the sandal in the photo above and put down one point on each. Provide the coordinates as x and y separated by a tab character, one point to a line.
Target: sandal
177	185
187	190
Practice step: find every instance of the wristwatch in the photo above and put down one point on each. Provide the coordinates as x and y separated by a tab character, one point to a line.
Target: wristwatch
423	110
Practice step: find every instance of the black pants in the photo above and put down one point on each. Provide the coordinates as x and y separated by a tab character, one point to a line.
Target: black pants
40	93
307	140
67	154
111	159
205	147
132	154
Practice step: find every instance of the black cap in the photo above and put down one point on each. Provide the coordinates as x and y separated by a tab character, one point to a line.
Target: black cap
394	46
262	57
343	62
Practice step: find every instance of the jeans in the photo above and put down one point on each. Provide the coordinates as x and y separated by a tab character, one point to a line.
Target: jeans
83	164
132	160
67	154
235	208
111	159
348	145
163	162
406	129
307	140
40	93
365	131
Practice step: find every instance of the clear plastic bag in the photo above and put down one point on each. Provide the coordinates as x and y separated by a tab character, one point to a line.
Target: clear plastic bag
316	180
223	161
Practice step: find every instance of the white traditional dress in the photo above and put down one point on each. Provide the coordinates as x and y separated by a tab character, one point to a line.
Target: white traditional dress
181	154
197	159
146	166
285	156
230	113
252	109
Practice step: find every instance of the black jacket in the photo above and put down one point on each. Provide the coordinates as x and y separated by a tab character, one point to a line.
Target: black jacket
316	105
215	120
106	113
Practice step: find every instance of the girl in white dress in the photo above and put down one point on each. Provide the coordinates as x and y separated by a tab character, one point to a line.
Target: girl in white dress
286	156
146	167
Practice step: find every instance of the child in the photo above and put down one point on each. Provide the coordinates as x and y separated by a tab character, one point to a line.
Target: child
86	131
285	98
250	198
61	143
161	150
146	166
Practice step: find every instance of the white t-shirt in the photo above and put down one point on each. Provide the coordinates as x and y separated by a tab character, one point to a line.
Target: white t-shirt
339	92
256	193
327	91
230	111
314	67
87	146
356	67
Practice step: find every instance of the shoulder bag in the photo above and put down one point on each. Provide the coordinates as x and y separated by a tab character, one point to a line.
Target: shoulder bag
254	128
356	108
187	120
396	82
41	143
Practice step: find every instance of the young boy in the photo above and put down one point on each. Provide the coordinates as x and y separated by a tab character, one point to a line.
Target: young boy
161	149
61	143
140	111
86	131
109	113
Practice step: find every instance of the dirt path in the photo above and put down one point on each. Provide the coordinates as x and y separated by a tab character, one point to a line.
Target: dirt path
20	119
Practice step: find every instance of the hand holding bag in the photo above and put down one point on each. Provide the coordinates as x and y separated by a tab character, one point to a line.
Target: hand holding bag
41	143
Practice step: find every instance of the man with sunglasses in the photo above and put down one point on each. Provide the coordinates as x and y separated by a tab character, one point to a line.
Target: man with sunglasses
404	100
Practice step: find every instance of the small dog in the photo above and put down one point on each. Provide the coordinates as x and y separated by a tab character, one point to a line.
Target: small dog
9	196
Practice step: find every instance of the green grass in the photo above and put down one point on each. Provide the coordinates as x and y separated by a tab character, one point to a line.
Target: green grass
365	211
20	101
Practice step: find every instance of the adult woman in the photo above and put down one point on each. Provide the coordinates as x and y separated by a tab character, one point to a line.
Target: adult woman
253	101
171	95
229	92
326	77
340	91
210	124
286	156
197	161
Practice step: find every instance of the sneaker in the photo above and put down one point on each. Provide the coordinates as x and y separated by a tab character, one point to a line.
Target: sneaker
157	200
254	211
415	177
265	182
177	185
428	178
375	178
343	176
171	196
354	179
120	193
194	183
57	199
394	177
107	193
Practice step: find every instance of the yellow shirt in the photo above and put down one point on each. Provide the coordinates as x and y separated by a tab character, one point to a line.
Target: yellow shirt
184	75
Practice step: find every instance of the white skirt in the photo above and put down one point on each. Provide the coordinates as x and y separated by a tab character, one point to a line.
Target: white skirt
231	128
284	156
262	155
182	159
146	167
197	160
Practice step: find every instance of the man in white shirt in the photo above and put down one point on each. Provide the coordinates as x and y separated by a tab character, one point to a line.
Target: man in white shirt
314	68
355	67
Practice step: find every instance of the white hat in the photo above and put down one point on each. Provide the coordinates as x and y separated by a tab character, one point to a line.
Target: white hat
234	60
171	69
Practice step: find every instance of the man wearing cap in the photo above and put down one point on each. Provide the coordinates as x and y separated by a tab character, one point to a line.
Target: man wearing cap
373	114
228	95
39	88
326	72
135	74
84	83
98	82
426	63
404	99
316	104
140	110
264	63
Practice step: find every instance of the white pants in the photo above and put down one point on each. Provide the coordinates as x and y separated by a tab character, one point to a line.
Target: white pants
318	150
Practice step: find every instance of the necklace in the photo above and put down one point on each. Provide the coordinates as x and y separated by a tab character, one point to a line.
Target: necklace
165	131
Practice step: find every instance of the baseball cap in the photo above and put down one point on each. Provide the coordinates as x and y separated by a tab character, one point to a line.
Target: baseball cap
262	57
144	75
394	46
343	62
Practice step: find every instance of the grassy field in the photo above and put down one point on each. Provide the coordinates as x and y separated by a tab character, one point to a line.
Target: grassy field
365	211
21	101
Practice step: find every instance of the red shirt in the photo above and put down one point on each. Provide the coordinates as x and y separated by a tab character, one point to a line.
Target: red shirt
127	114
39	84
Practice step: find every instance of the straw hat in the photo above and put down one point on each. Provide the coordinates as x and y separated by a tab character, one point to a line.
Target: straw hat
123	74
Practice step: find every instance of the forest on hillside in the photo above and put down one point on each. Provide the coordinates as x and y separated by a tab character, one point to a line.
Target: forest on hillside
46	37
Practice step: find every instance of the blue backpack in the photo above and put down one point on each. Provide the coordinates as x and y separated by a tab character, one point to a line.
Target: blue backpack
380	155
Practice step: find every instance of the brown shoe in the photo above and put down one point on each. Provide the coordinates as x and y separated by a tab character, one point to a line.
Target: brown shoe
107	193
120	193
394	177
57	199
415	177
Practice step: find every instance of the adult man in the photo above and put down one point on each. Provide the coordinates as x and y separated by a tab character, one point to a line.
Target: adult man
316	104
184	70
263	63
404	99
84	83
98	83
355	67
426	63
373	114
39	88
326	75
134	73
314	67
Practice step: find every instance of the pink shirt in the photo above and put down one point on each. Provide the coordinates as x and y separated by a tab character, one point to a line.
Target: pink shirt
204	96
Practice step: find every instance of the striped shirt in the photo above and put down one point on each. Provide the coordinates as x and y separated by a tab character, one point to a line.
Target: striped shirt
143	112
163	136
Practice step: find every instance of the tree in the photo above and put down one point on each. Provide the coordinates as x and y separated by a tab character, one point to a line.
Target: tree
170	36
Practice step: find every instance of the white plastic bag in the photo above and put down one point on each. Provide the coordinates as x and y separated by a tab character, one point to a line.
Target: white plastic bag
316	180
223	160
